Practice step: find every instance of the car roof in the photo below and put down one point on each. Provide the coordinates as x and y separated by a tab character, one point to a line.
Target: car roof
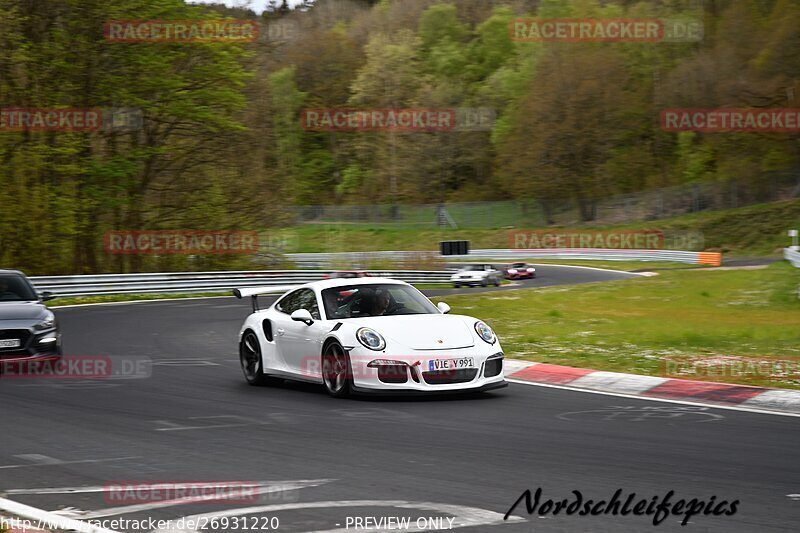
9	271
347	282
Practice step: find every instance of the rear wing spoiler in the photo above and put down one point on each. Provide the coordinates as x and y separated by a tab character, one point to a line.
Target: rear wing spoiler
254	292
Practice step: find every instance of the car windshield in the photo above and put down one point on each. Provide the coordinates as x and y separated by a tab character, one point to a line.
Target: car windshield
14	288
473	267
518	265
355	301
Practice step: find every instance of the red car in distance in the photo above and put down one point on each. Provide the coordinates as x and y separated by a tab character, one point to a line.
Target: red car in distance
520	271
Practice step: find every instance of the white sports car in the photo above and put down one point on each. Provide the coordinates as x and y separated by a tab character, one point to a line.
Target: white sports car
367	335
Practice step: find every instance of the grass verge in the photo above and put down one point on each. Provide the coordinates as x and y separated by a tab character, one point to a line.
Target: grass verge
112	298
756	230
637	325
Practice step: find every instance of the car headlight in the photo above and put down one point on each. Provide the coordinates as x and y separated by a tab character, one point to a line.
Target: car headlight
512	270
485	332
49	322
370	339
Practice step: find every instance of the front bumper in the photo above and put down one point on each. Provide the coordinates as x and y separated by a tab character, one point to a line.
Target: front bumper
32	345
418	376
469	281
417	392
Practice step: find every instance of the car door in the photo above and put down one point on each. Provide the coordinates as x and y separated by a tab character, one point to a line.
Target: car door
488	273
494	274
280	322
300	341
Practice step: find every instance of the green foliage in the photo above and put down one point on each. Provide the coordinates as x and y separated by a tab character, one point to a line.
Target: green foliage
222	145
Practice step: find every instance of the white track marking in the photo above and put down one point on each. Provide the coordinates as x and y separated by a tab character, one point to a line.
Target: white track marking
184	362
654	399
465	516
235	422
594	268
39	459
617	382
32	513
105	488
775	399
5	467
512	366
270	487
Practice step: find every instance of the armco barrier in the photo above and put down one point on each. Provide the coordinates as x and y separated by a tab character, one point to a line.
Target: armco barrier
511	255
205	281
223	281
792	254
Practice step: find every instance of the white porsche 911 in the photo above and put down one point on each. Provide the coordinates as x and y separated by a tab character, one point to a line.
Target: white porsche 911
368	335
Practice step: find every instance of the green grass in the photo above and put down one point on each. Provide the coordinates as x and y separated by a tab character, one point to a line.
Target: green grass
632	325
111	298
756	230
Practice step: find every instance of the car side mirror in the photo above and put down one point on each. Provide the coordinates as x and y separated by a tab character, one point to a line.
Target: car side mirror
46	296
443	307
302	315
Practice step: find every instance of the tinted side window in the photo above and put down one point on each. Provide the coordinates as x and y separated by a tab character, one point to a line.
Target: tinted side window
16	288
300	299
289	303
308	300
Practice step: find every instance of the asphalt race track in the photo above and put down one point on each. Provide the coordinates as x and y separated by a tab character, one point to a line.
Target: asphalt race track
547	276
324	460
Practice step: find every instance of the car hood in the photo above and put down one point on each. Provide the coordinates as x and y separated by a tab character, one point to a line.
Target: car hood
421	332
19	312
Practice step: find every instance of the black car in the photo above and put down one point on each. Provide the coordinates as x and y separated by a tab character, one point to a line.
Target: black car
28	329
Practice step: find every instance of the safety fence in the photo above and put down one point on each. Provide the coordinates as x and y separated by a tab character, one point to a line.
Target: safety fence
188	282
511	255
792	254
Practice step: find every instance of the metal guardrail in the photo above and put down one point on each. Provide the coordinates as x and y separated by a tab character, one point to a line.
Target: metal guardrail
792	254
188	282
510	255
205	281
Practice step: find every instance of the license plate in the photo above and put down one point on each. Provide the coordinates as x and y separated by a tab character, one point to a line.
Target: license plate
10	343
451	364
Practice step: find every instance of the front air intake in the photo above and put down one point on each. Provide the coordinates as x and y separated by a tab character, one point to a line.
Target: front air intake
494	365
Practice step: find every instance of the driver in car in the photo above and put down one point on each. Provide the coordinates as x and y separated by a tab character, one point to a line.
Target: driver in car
380	303
5	293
